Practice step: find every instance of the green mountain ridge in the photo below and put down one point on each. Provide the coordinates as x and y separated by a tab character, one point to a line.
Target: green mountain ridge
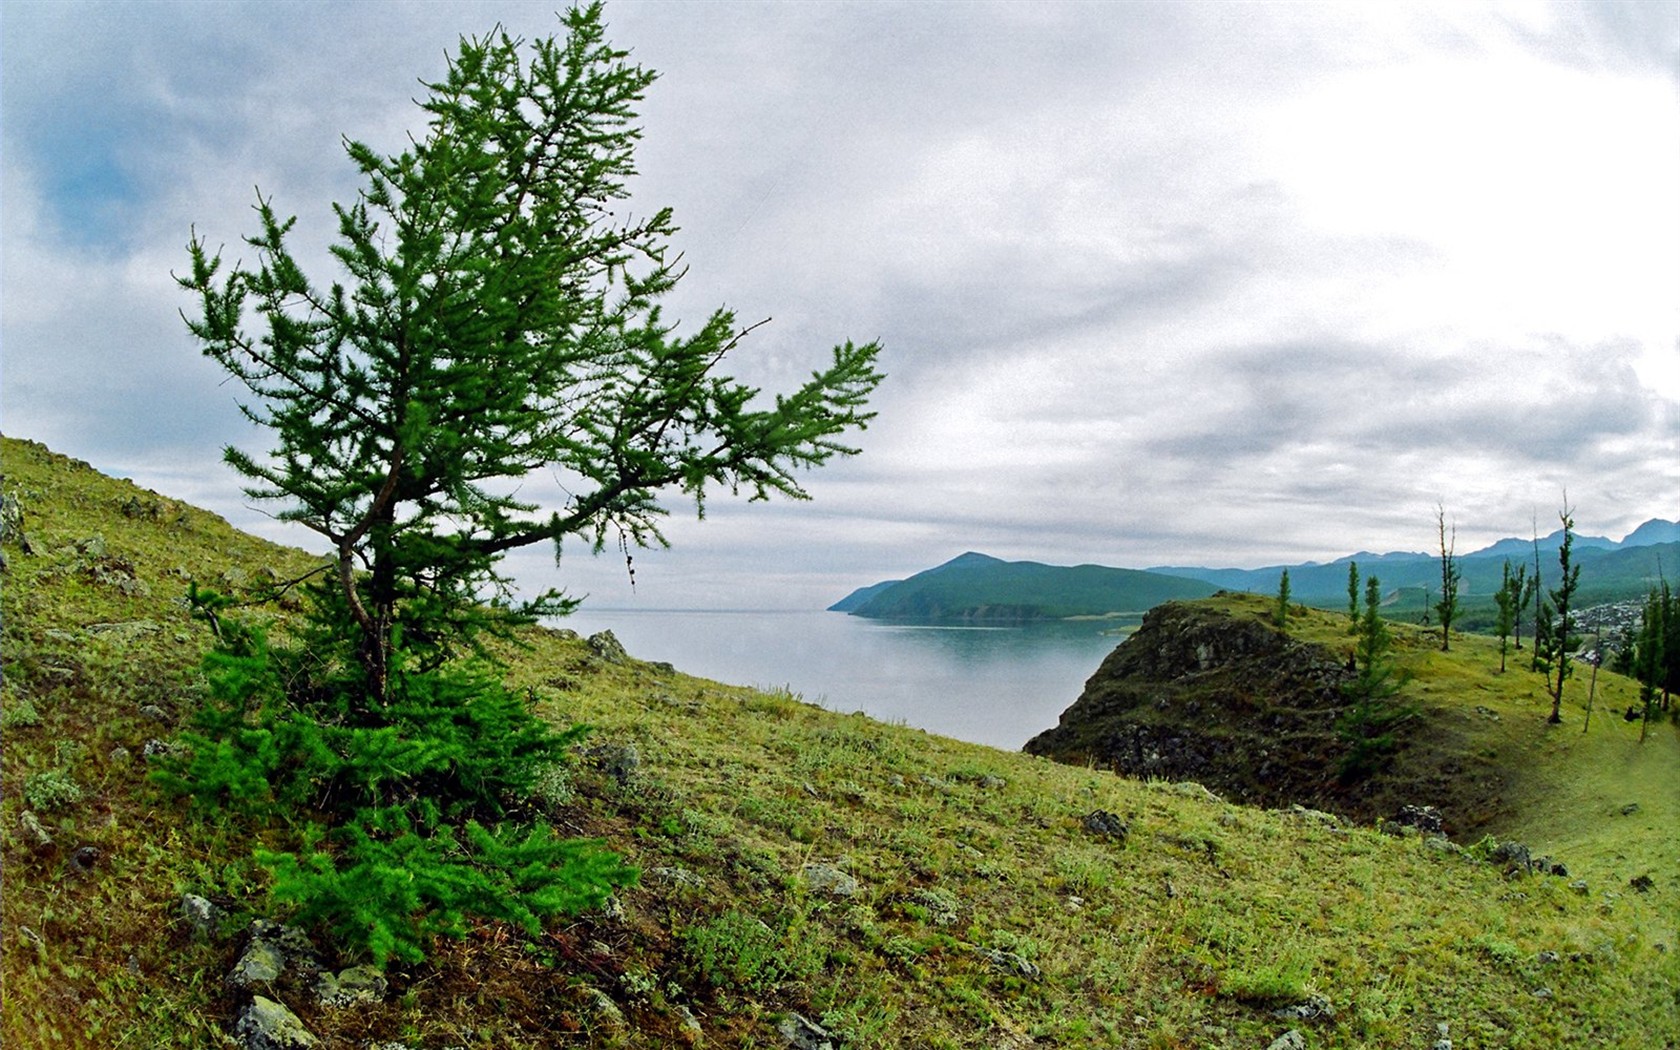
978	587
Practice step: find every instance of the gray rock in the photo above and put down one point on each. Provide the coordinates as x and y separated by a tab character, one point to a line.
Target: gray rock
678	877
260	963
1290	1040
1580	887
1104	824
156	713
1426	819
358	984
84	859
202	917
689	1026
1514	856
601	1005
1011	962
1313	1008
607	647
802	1034
1443	1041
619	761
123	631
272	950
1630	809
830	880
268	1025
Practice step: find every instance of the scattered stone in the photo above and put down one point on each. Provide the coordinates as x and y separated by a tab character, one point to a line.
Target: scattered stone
1542	993
37	835
688	1027
619	761
156	713
1290	1040
1580	887
120	755
802	1034
1443	1041
1426	819
155	748
358	984
1630	809
1104	824
124	631
663	667
601	1005
1642	884
607	647
1441	844
1011	962
1514	856
203	918
271	951
895	781
830	880
1315	817
678	877
84	858
1487	712
268	1025
1547	958
990	782
1313	1008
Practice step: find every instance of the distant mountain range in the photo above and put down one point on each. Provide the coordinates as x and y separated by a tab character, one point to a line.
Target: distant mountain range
1609	570
979	587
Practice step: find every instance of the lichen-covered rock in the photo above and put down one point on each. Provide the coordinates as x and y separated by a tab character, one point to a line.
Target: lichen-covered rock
268	1025
358	984
830	880
800	1033
201	916
607	646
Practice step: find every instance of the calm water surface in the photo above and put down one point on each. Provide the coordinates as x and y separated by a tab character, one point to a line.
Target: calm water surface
989	685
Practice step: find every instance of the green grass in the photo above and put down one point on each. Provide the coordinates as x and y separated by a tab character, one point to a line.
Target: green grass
984	914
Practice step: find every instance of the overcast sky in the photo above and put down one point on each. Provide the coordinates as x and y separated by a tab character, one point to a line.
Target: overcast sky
1180	283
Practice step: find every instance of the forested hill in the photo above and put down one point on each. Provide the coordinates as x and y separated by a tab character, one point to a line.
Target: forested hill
979	587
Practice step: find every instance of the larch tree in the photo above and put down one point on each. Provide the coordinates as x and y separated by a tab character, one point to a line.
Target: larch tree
1559	643
493	316
1451	577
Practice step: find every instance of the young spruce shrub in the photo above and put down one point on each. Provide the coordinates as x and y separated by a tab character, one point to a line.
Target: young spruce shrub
402	824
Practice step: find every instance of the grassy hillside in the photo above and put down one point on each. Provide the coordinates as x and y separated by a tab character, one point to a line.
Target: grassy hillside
896	888
978	587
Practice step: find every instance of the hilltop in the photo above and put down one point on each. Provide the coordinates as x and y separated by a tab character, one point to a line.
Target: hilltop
975	586
803	871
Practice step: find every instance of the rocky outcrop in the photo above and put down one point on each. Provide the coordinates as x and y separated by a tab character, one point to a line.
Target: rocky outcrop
1198	694
1205	692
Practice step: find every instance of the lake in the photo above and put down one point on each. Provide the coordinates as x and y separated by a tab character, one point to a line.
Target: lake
989	685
